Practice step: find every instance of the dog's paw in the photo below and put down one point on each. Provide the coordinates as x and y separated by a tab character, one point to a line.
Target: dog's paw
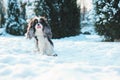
52	55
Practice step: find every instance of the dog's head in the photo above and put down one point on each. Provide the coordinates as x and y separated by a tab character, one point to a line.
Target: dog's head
38	23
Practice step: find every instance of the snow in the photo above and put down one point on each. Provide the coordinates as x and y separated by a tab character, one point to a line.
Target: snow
81	57
119	4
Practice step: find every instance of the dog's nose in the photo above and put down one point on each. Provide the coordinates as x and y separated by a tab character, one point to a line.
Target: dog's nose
38	24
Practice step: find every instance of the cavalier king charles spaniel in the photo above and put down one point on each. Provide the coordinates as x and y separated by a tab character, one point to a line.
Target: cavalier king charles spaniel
39	29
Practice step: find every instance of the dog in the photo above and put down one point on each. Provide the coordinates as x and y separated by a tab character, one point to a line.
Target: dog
40	30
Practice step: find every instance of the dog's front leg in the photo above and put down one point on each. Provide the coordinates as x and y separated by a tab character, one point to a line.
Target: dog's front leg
41	48
36	45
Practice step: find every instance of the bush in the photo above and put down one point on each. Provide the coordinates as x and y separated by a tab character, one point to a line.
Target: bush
108	19
15	25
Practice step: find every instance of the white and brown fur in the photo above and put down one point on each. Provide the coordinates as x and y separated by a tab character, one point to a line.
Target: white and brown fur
39	28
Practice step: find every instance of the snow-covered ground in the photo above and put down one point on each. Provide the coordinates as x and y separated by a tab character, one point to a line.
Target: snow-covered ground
82	57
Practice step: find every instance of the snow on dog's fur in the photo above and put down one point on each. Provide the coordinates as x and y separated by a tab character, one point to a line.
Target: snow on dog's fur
39	28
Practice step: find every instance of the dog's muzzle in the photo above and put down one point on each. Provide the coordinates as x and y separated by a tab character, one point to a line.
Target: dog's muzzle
39	26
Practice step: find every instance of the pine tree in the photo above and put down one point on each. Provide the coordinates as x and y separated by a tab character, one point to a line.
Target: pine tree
65	17
2	14
41	8
23	9
15	24
108	18
70	18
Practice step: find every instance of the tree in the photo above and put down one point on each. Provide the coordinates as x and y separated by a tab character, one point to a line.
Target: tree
64	17
2	14
41	9
70	18
108	19
23	9
15	24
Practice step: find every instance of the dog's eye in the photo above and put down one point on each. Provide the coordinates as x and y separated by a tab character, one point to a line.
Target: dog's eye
42	20
35	21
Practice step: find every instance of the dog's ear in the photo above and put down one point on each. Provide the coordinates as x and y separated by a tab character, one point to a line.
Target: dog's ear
43	20
30	29
46	29
47	32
